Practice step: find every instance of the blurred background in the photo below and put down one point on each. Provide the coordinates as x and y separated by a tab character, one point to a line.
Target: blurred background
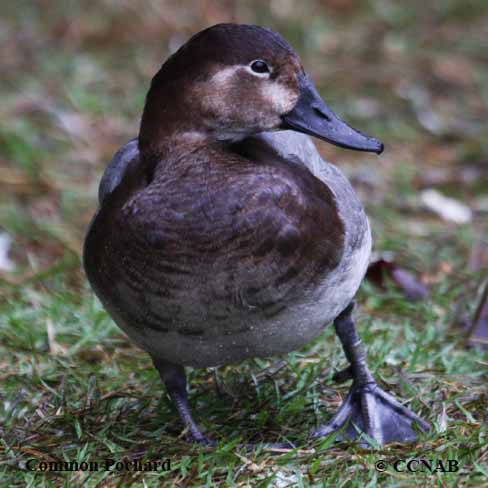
74	75
414	74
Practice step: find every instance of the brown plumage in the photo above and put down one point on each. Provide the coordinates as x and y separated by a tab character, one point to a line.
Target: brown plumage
214	238
216	241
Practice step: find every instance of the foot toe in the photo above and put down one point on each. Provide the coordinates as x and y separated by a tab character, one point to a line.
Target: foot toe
370	410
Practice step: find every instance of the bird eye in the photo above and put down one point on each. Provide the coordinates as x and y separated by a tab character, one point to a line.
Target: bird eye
259	66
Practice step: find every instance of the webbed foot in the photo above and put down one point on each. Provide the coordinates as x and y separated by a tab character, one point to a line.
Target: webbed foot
367	407
371	410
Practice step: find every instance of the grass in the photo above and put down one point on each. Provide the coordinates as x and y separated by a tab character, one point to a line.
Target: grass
74	388
87	394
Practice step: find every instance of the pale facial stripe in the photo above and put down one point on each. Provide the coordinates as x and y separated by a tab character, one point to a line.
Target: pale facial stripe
280	97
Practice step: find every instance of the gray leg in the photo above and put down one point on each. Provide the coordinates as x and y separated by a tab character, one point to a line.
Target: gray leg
174	379
367	407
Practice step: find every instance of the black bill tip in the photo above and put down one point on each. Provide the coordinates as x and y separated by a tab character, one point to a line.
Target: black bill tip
312	116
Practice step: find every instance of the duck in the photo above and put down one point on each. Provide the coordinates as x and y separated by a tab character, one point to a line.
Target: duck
222	234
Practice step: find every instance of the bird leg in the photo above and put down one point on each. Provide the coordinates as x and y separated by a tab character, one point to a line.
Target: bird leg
174	379
367	407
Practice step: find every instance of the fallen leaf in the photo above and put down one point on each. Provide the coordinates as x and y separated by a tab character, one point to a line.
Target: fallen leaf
410	285
447	208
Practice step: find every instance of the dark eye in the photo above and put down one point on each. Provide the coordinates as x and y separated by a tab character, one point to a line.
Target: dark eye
260	66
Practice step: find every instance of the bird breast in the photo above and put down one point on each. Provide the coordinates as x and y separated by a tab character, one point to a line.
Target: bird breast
213	263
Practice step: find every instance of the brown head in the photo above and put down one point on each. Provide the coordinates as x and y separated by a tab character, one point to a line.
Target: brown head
231	81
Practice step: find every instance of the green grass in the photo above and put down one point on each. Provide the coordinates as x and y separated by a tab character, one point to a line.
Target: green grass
72	387
88	395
